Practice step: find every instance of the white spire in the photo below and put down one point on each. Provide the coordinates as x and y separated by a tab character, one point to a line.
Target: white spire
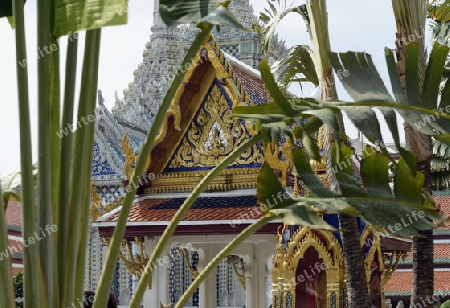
157	21
161	58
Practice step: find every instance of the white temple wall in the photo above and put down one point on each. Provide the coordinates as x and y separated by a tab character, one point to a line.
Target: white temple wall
255	251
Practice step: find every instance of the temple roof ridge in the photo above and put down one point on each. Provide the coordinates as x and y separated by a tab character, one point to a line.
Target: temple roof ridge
244	65
108	162
102	113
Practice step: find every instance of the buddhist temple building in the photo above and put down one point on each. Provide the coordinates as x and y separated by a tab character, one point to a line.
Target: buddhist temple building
279	266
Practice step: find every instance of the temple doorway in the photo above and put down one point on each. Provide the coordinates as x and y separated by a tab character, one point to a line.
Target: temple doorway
311	281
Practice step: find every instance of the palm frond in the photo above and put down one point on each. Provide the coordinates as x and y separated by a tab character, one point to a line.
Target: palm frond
439	10
440	165
441	149
297	65
271	18
440	180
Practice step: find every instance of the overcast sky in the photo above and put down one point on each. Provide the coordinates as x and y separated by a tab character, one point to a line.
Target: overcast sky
356	25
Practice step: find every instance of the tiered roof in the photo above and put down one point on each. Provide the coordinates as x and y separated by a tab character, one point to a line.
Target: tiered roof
211	213
226	82
134	113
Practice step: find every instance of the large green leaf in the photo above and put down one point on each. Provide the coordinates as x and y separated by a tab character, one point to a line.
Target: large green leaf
272	198
352	67
441	149
433	75
364	85
214	12
71	16
272	87
396	85
412	75
373	199
10	186
361	114
440	164
315	186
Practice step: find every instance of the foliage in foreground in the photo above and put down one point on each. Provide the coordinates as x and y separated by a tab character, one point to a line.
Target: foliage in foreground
446	304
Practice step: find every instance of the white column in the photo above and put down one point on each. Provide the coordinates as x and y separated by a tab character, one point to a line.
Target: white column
264	251
151	296
163	279
240	294
268	283
251	275
207	290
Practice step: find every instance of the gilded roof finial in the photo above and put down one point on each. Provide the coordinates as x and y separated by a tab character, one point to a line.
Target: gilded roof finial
130	157
280	159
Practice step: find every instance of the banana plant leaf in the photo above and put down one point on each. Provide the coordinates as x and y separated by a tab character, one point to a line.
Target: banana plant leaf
373	200
441	149
71	16
273	199
399	211
75	15
440	164
364	85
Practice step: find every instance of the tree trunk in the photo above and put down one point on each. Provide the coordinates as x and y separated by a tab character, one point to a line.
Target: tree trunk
358	292
355	272
423	254
419	144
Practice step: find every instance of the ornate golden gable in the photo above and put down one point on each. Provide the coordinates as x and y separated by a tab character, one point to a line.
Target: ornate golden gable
200	131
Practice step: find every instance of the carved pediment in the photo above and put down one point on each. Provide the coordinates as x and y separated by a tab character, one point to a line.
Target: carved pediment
212	135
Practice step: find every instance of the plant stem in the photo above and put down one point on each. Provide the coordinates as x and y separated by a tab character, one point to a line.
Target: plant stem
81	157
222	255
32	262
66	154
45	210
86	200
116	240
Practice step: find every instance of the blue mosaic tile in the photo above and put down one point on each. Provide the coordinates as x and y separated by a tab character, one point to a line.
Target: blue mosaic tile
209	202
98	167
